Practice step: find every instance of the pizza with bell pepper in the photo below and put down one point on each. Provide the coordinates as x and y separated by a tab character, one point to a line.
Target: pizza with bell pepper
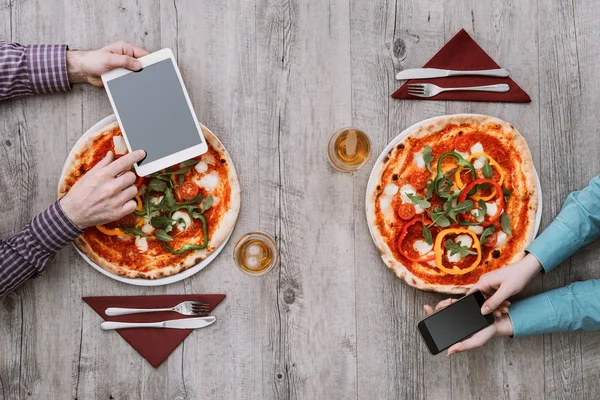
452	200
184	212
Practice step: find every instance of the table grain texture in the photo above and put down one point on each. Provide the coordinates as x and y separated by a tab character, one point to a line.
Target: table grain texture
273	79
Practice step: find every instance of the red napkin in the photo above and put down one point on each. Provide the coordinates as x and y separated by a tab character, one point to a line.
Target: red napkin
462	53
154	344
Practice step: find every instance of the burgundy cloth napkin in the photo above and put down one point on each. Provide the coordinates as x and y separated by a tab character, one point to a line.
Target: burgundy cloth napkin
462	53
154	344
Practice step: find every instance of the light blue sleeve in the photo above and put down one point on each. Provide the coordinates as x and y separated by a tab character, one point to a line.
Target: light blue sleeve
577	224
566	309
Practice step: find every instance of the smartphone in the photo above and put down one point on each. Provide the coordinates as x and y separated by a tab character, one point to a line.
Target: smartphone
454	323
155	112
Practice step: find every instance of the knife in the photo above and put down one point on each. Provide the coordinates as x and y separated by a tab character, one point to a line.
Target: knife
421	73
185	323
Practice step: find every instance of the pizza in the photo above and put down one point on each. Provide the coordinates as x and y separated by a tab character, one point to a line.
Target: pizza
184	213
452	200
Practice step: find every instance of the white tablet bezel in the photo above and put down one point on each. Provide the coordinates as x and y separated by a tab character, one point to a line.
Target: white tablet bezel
175	158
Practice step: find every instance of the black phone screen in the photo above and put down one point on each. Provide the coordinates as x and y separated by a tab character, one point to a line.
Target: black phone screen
454	323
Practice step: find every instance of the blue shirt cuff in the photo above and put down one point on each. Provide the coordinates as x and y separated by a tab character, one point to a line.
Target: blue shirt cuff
555	244
532	316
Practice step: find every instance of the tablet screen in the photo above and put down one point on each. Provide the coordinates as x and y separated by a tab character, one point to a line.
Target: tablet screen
154	112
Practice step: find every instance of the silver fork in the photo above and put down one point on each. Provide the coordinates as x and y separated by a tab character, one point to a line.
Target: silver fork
430	90
185	308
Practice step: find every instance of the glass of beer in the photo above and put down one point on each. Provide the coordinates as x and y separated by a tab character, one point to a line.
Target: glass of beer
349	149
255	253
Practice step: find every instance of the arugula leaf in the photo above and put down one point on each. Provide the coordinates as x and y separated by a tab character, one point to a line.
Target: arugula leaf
487	170
157	185
195	200
181	170
438	217
414	198
208	202
428	157
426	233
466	222
456	248
181	179
505	222
486	232
482	209
464	207
506	193
133	230
162	235
168	201
161	221
192	161
429	189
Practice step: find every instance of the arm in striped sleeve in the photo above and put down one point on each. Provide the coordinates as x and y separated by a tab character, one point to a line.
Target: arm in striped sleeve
27	254
36	68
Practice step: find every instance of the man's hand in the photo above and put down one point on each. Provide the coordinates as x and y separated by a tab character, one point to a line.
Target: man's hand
501	327
104	193
505	282
87	66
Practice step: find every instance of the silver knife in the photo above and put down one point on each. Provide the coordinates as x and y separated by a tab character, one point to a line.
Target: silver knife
184	323
422	73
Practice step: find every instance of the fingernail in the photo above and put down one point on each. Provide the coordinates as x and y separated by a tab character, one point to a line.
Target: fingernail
485	310
137	64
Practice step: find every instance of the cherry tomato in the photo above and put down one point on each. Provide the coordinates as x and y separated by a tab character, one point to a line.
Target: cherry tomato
418	180
491	240
188	190
128	220
406	211
462	144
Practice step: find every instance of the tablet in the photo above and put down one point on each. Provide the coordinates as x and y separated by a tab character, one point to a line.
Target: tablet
155	113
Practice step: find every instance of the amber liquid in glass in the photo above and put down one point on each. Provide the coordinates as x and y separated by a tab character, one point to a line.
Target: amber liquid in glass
352	147
254	256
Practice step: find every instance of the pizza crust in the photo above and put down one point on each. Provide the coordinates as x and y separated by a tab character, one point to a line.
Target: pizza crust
374	189
193	258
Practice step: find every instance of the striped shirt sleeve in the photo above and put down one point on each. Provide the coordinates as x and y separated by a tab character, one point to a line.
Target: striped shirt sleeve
36	68
27	254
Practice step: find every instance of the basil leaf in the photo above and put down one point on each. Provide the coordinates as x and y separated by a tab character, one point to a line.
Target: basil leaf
414	198
162	235
456	248
487	170
428	157
506	193
208	202
157	185
486	232
429	189
426	233
133	230
505	222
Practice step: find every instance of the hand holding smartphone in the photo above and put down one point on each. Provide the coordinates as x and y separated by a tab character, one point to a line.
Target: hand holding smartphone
454	323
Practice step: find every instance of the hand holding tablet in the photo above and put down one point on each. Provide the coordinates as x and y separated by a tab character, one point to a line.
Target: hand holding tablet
155	113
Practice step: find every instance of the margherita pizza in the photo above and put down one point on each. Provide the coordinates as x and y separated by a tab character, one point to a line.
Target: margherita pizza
453	200
184	212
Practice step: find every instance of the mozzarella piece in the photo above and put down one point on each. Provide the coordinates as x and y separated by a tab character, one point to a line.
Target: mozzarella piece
474	214
419	160
156	200
201	167
422	247
454	258
464	155
404	197
390	189
216	200
501	239
185	216
209	158
477	148
147	229
464	240
476	229
480	161
119	145
141	243
210	181
492	209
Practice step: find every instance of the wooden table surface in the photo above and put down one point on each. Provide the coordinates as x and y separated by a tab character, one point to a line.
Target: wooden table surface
273	79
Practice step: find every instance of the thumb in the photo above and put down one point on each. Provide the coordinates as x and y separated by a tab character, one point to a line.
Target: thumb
496	300
123	61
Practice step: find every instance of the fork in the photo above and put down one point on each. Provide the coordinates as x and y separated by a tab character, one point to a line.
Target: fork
430	90
185	308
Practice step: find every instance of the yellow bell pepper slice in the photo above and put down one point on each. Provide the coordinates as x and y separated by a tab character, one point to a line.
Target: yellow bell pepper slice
493	163
119	231
439	251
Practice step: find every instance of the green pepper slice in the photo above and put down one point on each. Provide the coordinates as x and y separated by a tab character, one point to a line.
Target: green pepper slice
443	180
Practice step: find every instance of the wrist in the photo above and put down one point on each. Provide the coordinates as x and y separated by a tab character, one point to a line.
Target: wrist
75	71
71	212
504	326
532	265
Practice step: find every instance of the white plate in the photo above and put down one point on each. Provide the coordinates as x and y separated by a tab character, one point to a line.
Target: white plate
142	282
373	180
